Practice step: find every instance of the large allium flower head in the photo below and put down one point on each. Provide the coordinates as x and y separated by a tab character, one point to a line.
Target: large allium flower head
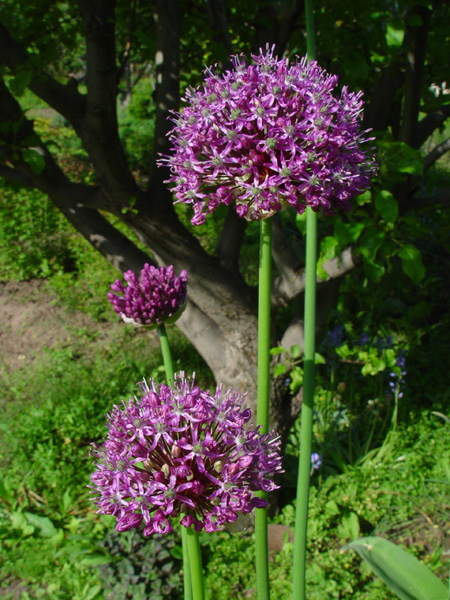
266	136
180	452
156	297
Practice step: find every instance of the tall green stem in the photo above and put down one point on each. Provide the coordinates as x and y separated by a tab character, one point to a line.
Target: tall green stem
195	557
304	469
262	415
168	366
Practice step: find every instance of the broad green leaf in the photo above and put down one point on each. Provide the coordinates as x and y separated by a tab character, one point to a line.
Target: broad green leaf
319	359
300	221
386	205
374	271
34	160
177	552
349	527
395	32
328	248
412	262
296	379
364	198
398	156
295	351
95	560
279	370
45	526
402	573
278	350
347	233
92	592
370	241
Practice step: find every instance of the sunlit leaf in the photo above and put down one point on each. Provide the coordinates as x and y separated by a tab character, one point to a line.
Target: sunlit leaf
402	573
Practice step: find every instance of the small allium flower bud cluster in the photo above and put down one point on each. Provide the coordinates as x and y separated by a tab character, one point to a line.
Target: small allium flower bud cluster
180	452
155	297
266	136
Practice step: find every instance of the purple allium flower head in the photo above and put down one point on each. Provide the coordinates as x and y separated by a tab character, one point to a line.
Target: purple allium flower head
155	297
266	136
180	452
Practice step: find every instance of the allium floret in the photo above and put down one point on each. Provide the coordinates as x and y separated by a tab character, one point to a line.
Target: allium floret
180	452
266	136
156	297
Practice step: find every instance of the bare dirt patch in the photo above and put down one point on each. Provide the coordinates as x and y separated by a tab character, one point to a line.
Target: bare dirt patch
31	320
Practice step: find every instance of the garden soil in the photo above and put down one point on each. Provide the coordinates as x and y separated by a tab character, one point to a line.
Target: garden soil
33	320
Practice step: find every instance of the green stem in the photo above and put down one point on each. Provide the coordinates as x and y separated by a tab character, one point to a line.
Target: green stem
304	470
168	365
195	557
166	354
262	415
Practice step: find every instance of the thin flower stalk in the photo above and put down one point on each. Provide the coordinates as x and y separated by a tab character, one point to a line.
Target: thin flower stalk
264	294
304	470
168	366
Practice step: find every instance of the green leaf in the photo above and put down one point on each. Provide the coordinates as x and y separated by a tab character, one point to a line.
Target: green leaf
18	520
279	370
295	351
398	156
374	271
35	161
45	526
19	82
300	221
177	552
278	350
95	560
296	379
370	242
402	573
395	32
349	527
386	205
347	233
328	248
319	359
412	263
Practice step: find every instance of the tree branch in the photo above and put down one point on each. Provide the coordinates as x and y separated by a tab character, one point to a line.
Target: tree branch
430	123
127	49
100	127
436	153
167	97
15	176
381	106
285	286
292	279
65	99
440	198
217	13
50	179
230	239
104	237
416	41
